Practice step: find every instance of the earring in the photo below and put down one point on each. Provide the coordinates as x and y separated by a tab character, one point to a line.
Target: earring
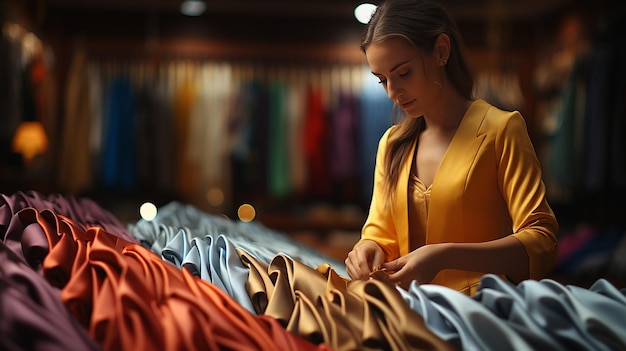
445	61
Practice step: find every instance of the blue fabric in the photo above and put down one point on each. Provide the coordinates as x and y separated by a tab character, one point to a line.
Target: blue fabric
533	315
213	259
376	117
206	245
118	166
462	321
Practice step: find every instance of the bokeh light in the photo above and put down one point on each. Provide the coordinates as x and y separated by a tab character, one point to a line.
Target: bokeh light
192	7
215	197
148	211
364	12
246	212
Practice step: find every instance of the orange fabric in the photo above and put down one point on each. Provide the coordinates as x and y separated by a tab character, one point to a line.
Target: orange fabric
130	299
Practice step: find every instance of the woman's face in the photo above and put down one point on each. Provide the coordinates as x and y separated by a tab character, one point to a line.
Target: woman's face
410	78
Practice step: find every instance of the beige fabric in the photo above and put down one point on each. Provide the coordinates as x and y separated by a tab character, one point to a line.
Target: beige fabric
322	306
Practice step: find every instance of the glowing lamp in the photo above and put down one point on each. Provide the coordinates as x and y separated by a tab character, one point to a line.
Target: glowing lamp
30	140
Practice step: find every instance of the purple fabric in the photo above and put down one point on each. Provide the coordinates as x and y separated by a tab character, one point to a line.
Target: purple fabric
345	121
83	211
33	316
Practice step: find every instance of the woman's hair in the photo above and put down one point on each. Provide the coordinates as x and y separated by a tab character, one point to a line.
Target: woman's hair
421	22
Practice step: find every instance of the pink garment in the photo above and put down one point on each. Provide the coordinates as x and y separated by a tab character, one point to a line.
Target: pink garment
572	241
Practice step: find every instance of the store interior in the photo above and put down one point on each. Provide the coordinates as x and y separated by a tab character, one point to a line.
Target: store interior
270	104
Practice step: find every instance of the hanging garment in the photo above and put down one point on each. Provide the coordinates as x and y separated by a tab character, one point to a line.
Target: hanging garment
206	142
316	142
344	149
278	168
155	136
598	115
118	168
10	82
376	117
184	92
76	168
295	113
566	141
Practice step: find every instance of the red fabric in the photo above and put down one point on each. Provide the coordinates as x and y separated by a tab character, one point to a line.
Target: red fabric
316	145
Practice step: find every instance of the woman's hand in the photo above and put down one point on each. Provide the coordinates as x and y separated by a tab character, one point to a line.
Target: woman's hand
364	258
501	256
421	264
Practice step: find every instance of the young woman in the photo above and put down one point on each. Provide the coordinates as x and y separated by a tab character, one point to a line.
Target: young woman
457	188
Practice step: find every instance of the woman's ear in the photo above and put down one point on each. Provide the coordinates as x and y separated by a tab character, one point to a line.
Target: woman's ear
442	49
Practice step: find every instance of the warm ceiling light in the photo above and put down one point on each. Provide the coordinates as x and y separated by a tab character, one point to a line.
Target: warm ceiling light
192	7
364	12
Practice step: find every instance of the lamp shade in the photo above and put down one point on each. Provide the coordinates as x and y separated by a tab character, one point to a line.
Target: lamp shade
30	140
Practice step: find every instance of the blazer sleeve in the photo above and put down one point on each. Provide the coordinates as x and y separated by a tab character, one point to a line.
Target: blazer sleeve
379	225
520	177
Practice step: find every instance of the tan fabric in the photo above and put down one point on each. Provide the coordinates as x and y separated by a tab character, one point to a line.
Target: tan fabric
75	163
321	306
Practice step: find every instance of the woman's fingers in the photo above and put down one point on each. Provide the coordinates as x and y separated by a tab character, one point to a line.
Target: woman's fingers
363	260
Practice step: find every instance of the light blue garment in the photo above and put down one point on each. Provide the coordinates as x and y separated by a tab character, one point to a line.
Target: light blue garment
212	259
418	301
533	315
569	317
462	321
261	242
206	245
604	288
375	118
598	319
505	301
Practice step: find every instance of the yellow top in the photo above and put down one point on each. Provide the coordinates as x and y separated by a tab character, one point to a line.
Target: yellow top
488	185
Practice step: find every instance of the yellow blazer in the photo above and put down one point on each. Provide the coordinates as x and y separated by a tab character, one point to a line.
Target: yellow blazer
488	185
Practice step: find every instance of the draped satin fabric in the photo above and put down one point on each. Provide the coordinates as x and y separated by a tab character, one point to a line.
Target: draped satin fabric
83	211
471	325
258	240
67	282
128	298
578	318
324	307
213	259
33	317
533	315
